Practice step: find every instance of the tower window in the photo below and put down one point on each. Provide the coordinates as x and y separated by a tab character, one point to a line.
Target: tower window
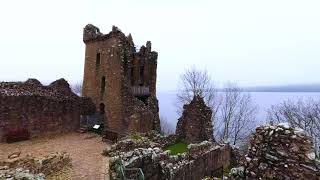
97	59
141	75
132	75
102	108
103	84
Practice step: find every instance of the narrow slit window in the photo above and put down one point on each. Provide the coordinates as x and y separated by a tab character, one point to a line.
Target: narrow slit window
98	60
141	75
102	108
132	76
103	84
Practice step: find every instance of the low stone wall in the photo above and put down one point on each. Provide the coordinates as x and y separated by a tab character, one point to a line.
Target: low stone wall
34	165
200	160
140	140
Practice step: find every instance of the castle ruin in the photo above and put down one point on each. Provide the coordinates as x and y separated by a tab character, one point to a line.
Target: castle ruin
120	80
29	109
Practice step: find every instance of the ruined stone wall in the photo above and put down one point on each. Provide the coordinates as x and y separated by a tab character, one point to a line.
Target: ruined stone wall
195	124
38	109
203	160
142	117
148	60
119	63
199	161
279	152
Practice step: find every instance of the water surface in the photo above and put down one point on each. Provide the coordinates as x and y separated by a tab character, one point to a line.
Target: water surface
264	100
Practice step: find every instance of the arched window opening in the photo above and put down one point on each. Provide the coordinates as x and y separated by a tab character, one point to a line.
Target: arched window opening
102	108
103	84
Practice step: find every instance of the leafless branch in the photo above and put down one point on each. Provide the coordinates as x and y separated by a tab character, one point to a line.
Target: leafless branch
301	113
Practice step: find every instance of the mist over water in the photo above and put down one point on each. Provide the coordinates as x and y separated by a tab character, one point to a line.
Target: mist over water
264	100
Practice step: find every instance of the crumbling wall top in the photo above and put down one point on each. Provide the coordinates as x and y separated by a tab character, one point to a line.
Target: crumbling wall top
59	90
280	152
92	33
195	124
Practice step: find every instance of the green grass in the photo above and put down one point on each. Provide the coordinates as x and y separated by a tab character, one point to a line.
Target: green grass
226	171
136	137
177	148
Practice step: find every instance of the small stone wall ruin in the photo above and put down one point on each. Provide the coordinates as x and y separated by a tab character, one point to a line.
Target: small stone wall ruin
195	124
199	161
31	109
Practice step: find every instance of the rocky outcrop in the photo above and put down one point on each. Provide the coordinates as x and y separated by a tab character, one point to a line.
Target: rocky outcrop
279	152
195	124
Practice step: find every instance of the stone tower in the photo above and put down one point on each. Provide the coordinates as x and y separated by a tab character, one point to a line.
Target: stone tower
120	80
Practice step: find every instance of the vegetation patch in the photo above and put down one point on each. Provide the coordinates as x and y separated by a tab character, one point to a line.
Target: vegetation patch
137	137
177	148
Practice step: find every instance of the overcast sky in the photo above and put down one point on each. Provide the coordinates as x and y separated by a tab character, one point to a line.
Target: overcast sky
250	42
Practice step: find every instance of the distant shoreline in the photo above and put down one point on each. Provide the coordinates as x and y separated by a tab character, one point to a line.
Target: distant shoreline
280	91
314	88
262	91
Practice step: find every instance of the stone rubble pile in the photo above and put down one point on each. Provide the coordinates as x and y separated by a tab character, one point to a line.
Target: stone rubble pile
126	145
19	174
34	167
145	140
145	158
155	163
160	140
279	152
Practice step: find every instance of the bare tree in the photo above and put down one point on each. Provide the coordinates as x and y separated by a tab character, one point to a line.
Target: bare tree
77	88
237	115
235	108
166	127
197	82
301	113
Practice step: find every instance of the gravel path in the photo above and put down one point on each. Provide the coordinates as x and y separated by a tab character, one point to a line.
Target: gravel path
84	149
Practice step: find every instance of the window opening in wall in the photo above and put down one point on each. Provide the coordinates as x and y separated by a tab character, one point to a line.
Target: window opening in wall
132	75
97	59
103	84
102	108
144	99
141	75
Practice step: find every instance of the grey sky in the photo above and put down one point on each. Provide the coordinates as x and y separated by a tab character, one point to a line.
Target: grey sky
250	42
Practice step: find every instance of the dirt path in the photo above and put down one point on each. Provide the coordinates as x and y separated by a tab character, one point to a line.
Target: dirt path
84	149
